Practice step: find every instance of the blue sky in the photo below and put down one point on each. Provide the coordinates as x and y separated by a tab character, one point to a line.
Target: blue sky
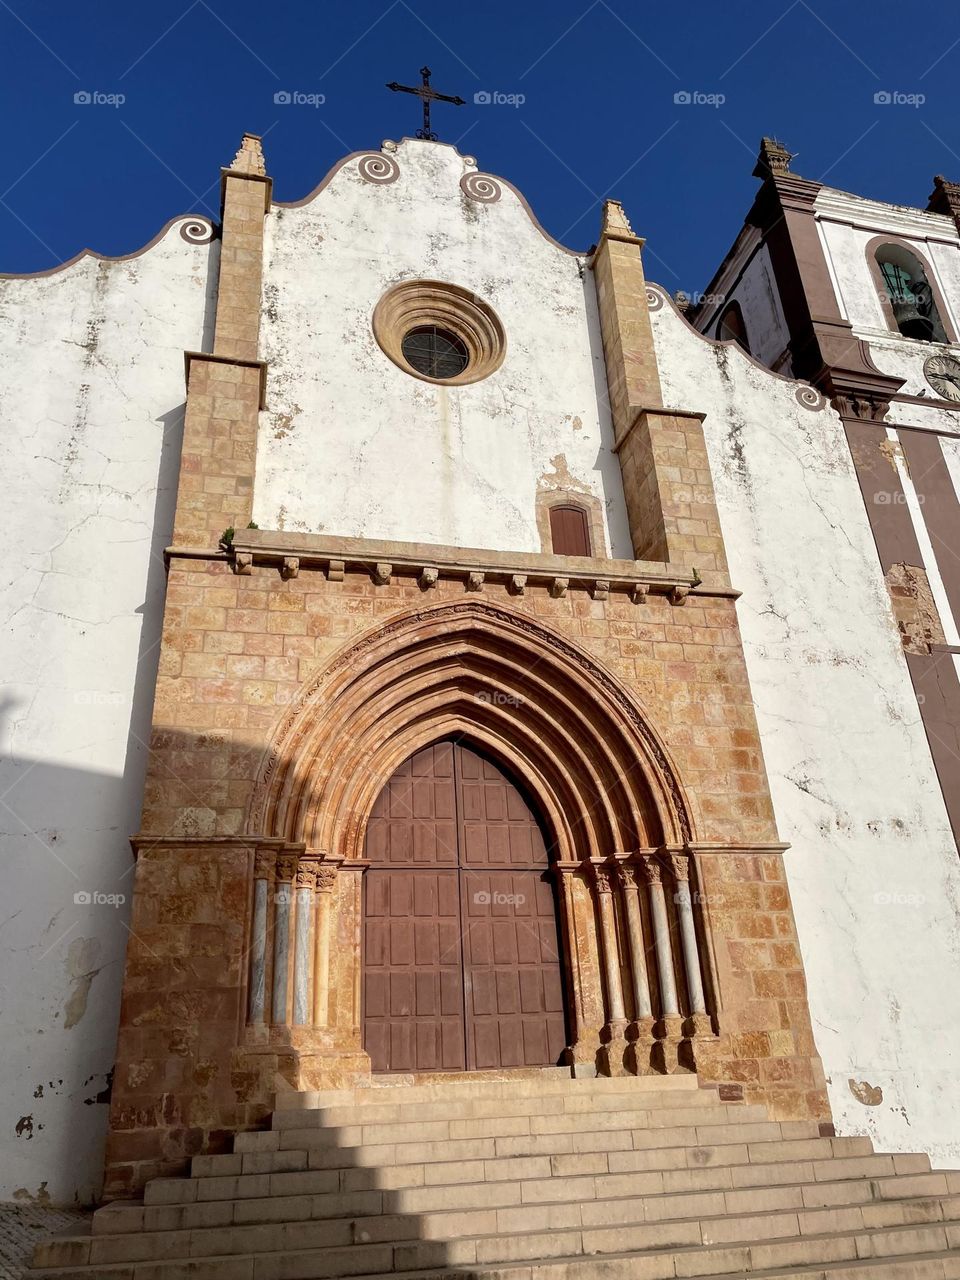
599	114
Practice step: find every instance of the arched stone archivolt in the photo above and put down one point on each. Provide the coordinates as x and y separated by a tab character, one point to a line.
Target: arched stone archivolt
618	827
573	733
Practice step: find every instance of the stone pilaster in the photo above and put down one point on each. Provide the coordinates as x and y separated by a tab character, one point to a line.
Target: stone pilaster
225	387
245	198
663	460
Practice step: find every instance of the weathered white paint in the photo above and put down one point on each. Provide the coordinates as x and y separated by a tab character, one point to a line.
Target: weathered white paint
873	867
353	445
91	396
748	278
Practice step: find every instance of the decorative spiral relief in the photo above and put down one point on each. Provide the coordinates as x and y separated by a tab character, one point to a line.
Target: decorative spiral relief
376	167
197	231
809	397
654	299
480	186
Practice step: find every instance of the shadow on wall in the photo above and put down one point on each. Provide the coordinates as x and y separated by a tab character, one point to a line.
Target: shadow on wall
67	885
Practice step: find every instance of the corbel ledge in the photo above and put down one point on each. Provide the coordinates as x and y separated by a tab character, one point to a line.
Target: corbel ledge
622	237
659	411
190	356
267	547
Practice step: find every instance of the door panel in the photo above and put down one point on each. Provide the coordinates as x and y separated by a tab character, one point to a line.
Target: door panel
511	963
414	819
461	956
412	971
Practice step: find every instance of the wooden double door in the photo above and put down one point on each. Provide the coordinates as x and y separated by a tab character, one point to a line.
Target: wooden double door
461	952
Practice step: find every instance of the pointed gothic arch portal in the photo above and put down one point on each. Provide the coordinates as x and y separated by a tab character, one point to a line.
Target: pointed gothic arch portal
461	953
572	755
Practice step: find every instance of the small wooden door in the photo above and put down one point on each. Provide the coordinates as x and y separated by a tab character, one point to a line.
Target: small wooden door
461	955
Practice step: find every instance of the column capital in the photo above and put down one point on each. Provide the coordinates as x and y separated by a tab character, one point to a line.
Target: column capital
306	873
605	876
651	868
628	873
287	865
264	864
326	877
677	862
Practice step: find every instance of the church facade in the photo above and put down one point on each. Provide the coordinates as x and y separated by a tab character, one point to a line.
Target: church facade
516	682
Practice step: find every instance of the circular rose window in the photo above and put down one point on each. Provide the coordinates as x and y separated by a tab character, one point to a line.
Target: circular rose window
437	353
439	332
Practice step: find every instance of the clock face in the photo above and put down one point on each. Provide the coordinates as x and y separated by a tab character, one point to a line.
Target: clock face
943	374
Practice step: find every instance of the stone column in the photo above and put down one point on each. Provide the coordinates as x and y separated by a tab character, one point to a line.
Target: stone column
613	1050
302	960
631	880
680	866
345	958
669	1030
283	899
326	885
264	868
579	935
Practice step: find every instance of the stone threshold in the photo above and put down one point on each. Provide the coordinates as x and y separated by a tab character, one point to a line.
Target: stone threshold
290	552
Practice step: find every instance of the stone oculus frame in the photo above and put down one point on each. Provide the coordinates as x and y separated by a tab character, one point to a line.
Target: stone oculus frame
298	671
418	303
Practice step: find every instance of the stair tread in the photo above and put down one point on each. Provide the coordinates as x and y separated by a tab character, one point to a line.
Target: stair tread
558	1259
477	1270
575	1196
741	1215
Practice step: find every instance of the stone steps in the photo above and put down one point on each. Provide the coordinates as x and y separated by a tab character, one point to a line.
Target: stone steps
527	1177
600	1254
540	1204
410	1164
523	1086
376	1113
581	1180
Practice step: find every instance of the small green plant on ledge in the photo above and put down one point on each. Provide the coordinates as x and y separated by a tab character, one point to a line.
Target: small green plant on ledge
226	538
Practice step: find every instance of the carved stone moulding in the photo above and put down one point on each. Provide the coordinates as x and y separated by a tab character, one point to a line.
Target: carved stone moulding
416	304
475	570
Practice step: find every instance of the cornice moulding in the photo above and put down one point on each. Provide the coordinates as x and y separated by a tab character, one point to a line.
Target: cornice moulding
317	551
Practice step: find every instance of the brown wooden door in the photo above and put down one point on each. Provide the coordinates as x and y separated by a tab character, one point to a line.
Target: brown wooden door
461	956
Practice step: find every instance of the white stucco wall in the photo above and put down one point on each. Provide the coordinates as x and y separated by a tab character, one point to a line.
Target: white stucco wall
747	278
756	292
873	868
91	397
353	445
